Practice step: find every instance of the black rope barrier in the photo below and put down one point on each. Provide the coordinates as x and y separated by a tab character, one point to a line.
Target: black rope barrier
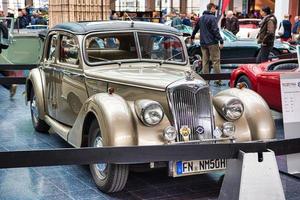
12	80
142	154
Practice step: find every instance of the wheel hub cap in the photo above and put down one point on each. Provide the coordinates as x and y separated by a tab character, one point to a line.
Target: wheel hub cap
34	109
101	167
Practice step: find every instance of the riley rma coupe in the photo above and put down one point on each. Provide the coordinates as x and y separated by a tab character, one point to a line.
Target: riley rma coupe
129	83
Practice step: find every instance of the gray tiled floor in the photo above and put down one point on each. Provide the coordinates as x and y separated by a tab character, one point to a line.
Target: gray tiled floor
75	182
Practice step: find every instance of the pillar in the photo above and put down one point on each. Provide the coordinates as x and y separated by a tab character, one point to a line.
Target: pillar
294	9
150	5
203	6
5	7
112	4
183	6
282	7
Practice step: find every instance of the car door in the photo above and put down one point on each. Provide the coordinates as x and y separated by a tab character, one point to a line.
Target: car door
238	51
48	68
268	86
71	91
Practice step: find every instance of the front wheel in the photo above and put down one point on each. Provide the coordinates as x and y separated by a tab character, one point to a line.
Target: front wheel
245	81
108	177
38	124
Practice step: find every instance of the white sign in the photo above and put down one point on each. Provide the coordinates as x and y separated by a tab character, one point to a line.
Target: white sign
238	5
290	95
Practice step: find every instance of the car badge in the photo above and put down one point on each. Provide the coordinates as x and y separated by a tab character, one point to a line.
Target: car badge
200	130
189	76
185	132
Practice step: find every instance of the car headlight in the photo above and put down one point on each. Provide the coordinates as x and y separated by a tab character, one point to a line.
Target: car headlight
149	112
228	129
233	110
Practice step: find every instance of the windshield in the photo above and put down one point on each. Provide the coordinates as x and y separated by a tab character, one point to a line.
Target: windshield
122	47
249	23
228	36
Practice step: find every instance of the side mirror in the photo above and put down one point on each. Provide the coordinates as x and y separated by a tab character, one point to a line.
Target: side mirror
197	64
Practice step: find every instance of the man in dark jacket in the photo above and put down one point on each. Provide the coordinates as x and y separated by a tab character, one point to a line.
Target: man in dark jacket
296	25
232	23
266	35
210	40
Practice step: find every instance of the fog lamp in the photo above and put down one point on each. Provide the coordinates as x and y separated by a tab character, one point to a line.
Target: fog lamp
217	133
228	129
170	133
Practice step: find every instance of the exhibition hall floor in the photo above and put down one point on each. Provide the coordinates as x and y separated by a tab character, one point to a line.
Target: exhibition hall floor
75	182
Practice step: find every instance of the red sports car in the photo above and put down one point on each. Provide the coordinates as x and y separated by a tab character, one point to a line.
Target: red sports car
265	79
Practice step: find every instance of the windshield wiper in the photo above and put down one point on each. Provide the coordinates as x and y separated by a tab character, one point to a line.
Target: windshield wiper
163	61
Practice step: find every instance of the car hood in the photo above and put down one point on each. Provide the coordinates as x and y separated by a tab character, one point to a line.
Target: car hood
148	77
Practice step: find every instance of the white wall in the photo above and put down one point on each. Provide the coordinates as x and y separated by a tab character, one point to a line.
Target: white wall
203	4
281	9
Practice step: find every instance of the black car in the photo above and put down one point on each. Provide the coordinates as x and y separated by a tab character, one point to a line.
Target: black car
239	51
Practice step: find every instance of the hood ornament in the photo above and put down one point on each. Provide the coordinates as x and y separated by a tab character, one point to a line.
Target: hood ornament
189	75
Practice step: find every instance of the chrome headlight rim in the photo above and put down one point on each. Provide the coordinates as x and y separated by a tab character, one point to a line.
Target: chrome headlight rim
167	134
141	107
232	104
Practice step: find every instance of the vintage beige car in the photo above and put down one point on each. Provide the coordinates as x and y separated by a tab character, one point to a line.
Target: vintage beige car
125	83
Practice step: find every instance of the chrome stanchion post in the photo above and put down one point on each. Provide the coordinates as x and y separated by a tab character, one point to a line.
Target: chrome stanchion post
252	176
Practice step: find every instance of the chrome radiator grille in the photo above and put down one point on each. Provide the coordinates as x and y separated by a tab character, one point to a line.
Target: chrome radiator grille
191	107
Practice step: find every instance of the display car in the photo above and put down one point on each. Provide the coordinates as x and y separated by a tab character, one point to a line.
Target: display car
241	50
265	79
108	84
25	45
249	28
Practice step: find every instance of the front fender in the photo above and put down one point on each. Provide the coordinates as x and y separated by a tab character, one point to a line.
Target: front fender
35	82
118	123
256	112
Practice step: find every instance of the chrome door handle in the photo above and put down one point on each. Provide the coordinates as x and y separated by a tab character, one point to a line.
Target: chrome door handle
47	67
68	73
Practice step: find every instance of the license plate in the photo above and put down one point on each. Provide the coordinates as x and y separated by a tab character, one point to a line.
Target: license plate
199	166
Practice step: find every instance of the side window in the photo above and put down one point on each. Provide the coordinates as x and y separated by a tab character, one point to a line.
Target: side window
52	48
68	50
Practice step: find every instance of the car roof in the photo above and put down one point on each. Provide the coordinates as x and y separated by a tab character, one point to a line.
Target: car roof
99	26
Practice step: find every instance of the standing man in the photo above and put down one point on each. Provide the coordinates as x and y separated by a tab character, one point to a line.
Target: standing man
296	29
296	25
176	20
210	40
266	35
232	23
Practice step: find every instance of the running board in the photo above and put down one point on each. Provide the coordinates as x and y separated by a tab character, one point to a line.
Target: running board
58	128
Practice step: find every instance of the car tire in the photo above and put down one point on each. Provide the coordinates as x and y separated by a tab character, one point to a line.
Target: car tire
108	177
38	124
245	80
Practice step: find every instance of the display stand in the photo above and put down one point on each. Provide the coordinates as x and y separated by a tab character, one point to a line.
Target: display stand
252	176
